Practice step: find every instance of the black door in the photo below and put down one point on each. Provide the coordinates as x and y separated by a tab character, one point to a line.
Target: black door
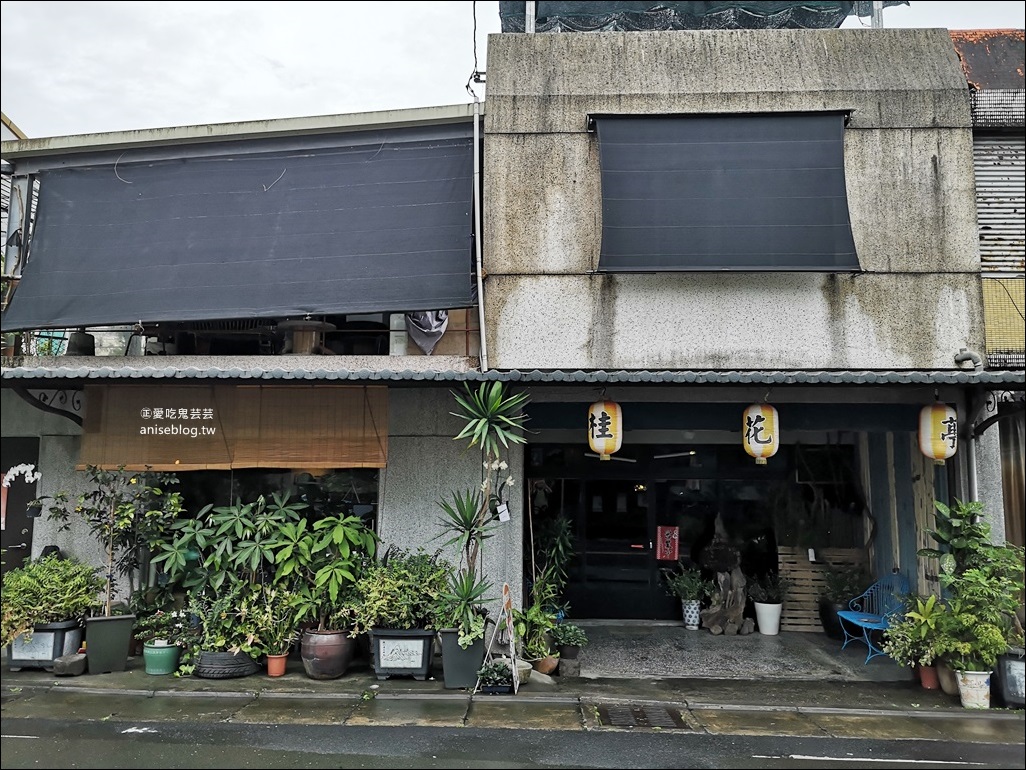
16	534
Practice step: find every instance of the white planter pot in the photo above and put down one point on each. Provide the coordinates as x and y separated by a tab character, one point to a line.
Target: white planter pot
691	609
974	689
767	617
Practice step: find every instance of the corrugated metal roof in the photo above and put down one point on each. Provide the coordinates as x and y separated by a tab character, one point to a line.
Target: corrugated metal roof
991	58
748	377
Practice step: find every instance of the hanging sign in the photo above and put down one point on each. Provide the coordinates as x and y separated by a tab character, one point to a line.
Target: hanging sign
667	542
761	432
605	428
938	432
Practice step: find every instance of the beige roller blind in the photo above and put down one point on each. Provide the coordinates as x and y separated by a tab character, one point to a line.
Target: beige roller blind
184	427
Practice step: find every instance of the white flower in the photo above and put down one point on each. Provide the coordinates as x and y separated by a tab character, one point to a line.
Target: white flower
487	465
484	486
503	466
28	471
509	480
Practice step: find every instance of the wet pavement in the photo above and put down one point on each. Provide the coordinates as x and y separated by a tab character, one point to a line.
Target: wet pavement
632	677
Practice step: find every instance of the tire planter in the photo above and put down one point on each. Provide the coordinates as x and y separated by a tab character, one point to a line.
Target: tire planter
224	665
327	654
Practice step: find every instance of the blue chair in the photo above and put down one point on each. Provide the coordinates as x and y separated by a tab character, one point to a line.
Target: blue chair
871	612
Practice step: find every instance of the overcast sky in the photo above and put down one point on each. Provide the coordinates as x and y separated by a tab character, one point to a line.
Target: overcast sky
84	67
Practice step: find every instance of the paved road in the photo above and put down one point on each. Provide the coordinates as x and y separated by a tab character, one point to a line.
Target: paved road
79	729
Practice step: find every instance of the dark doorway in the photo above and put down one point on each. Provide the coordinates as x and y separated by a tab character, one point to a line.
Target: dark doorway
17	524
616	507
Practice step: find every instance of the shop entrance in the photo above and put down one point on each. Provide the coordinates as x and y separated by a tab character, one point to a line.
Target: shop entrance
616	508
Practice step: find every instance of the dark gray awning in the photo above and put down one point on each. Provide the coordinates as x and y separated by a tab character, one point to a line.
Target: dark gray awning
724	192
377	221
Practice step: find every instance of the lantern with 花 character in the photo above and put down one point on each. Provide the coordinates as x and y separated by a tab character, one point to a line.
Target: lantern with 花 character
605	428
938	432
761	432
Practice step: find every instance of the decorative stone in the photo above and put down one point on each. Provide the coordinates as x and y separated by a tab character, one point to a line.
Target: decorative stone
70	665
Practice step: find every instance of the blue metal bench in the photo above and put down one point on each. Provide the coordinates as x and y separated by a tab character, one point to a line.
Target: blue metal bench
870	613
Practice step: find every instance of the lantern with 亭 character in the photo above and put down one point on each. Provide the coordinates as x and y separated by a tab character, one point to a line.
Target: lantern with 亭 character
605	428
761	432
938	432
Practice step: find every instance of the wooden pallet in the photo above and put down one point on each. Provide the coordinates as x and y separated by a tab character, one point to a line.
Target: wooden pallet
808	582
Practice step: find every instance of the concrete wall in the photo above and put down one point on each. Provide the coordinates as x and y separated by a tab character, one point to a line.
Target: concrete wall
58	454
425	466
908	161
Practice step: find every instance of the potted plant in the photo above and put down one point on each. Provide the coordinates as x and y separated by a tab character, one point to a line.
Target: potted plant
912	641
841	585
687	584
461	620
496	677
490	418
220	640
768	593
124	510
272	612
397	600
533	626
44	606
322	562
984	582
161	633
569	639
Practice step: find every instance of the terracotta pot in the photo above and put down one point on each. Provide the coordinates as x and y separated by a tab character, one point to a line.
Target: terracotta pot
276	664
545	665
928	677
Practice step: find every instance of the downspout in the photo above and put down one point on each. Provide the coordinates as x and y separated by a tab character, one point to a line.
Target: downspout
974	408
479	236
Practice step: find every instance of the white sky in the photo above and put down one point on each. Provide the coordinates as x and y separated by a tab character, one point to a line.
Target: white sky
84	67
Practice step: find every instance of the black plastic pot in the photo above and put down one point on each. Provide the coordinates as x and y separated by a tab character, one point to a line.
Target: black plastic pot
460	666
108	641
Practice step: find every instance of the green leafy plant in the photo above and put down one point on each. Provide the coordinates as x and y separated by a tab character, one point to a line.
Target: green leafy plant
686	582
568	635
171	625
127	512
468	521
320	562
272	613
913	640
220	622
771	588
461	607
496	673
51	589
232	543
401	591
843	583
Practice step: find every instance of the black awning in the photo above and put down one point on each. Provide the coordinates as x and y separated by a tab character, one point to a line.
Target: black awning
724	192
372	222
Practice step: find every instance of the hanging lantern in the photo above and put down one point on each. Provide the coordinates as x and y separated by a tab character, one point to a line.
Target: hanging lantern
761	432
938	432
605	428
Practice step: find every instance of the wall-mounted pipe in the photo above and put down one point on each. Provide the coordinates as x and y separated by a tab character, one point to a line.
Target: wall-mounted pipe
964	355
478	237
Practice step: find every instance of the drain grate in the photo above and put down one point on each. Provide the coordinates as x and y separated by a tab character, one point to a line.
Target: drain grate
634	715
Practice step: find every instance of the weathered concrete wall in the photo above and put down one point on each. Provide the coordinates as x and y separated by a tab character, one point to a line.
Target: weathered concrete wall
908	161
425	466
736	321
58	454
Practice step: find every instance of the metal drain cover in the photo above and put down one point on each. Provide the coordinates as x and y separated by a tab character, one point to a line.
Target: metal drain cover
633	715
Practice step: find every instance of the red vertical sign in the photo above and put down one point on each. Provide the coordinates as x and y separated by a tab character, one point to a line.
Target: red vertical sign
667	539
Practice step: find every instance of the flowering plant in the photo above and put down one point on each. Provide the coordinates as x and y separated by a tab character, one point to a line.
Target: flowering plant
28	471
169	625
